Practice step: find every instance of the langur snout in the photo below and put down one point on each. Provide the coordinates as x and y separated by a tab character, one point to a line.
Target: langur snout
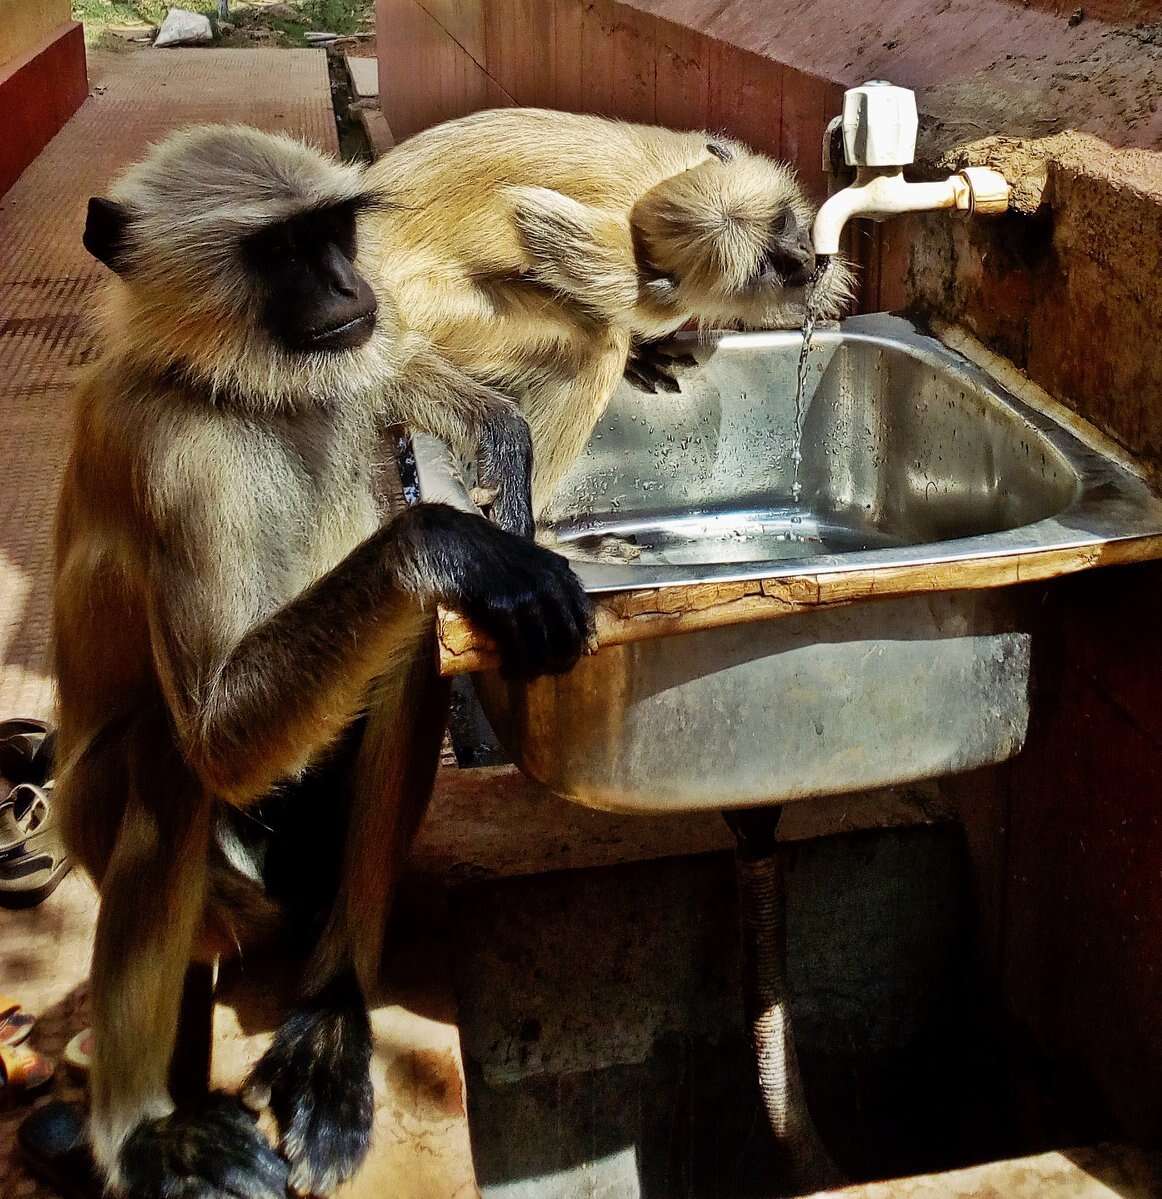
789	261
345	305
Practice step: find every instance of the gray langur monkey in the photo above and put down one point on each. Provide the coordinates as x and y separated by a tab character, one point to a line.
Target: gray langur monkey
541	253
249	714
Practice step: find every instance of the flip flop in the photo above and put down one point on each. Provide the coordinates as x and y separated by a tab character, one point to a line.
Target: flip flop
23	1072
26	750
15	1022
79	1052
53	1142
32	858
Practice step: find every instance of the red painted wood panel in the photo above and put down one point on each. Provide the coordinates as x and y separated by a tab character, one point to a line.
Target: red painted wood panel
533	23
501	42
1083	912
633	51
38	93
426	75
682	77
746	97
597	57
808	105
463	20
568	90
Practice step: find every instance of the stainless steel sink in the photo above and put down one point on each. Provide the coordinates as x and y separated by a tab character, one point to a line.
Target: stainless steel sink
911	455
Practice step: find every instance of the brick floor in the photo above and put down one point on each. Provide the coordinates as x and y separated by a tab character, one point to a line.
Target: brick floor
47	289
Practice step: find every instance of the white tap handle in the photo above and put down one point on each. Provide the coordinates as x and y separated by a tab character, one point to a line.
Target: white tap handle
879	125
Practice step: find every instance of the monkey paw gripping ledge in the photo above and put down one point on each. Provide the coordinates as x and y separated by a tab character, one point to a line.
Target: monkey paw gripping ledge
751	650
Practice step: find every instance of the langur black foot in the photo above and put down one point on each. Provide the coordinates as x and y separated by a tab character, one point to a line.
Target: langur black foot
214	1151
316	1080
652	365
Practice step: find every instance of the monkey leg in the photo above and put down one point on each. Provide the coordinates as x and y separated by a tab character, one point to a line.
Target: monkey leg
504	468
563	410
211	1148
316	1080
141	953
211	1151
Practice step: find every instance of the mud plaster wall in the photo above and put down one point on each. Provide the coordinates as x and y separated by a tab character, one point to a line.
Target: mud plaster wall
1069	287
1068	837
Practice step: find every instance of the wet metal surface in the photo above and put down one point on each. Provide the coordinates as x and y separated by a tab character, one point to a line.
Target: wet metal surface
911	455
813	704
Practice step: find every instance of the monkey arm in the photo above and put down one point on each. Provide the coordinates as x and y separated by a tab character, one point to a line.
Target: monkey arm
257	710
579	251
439	398
257	707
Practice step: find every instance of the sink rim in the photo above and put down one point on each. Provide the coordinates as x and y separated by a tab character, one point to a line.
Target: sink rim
1111	504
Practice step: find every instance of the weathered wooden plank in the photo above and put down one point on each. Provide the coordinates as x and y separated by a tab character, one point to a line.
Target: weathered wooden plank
630	616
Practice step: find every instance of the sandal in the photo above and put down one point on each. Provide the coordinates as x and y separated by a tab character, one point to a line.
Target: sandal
79	1052
15	1022
53	1142
23	1072
26	750
32	858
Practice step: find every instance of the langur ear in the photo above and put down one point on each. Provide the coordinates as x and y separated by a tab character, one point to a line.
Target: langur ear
106	234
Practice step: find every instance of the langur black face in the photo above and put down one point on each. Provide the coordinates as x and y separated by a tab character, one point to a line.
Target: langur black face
301	271
315	300
789	257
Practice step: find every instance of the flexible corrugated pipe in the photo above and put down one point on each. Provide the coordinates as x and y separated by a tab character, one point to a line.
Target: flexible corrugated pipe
806	1164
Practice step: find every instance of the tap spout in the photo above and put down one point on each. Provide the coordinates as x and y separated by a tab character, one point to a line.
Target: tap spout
878	193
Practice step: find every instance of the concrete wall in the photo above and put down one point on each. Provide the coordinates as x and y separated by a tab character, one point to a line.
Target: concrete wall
1069	835
24	23
43	79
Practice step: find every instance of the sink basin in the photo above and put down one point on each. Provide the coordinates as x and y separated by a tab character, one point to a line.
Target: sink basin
914	463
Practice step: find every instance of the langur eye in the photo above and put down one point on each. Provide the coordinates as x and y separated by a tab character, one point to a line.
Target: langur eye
721	152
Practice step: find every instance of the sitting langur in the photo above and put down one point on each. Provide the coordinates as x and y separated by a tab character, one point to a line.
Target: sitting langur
249	715
539	250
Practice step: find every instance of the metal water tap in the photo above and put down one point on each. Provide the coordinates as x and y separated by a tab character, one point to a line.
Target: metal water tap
879	126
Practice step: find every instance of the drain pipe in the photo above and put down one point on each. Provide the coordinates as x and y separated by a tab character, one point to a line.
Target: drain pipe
763	912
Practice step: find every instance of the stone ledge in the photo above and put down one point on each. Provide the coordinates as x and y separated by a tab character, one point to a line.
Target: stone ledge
1102	1172
493	822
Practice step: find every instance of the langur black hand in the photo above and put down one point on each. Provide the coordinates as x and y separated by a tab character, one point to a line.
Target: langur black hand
526	598
653	365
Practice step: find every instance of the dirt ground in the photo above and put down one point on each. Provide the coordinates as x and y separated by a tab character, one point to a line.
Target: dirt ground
265	24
